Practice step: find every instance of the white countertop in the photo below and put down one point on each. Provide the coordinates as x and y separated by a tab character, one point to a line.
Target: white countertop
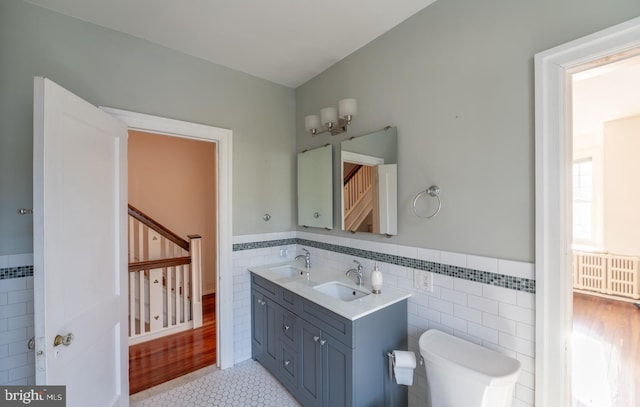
303	287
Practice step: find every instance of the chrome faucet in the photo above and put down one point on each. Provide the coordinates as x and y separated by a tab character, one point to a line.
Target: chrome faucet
357	271
307	258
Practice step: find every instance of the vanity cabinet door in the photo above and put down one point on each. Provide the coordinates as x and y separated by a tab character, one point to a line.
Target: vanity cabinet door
309	364
257	324
325	368
337	372
264	331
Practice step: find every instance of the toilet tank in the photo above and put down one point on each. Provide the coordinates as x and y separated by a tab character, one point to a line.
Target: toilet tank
463	374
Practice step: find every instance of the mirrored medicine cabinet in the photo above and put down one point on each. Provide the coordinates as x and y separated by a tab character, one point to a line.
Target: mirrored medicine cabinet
369	183
315	187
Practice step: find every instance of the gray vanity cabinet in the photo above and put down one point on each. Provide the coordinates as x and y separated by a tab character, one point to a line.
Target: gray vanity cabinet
322	358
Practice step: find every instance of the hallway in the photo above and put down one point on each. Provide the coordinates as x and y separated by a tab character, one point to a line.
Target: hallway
154	362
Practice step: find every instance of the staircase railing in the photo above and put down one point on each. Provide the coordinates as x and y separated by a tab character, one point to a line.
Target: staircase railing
358	197
165	289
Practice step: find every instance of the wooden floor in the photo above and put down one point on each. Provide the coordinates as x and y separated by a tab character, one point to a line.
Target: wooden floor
606	352
158	361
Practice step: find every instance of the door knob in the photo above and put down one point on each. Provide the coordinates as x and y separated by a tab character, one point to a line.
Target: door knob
63	340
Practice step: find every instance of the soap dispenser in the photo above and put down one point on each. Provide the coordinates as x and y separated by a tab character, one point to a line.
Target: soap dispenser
376	279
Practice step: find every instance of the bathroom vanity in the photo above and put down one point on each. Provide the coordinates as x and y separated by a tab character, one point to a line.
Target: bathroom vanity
325	338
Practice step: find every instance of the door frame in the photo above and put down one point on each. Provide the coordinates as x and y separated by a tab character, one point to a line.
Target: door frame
222	137
553	196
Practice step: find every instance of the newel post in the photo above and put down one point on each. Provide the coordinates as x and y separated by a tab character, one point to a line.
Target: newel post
195	250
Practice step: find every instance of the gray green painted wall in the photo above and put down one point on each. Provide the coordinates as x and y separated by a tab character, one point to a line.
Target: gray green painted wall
116	70
457	81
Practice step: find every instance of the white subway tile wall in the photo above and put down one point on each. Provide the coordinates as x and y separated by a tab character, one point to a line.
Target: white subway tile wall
495	317
17	363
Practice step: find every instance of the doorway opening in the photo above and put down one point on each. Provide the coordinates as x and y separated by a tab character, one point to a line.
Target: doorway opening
605	131
171	189
223	208
553	172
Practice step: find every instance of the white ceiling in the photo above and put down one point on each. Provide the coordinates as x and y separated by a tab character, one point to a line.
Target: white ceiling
605	93
284	41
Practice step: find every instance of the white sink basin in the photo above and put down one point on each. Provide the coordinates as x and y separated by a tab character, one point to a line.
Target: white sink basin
341	291
286	271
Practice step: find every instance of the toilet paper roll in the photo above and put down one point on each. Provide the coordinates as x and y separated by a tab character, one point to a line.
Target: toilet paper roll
403	364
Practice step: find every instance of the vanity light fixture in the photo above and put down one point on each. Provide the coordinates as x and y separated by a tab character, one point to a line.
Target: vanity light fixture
331	119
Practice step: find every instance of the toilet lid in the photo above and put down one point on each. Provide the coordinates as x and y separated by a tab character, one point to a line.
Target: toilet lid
437	346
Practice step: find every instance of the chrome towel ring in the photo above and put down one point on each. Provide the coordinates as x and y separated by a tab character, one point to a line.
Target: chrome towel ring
432	191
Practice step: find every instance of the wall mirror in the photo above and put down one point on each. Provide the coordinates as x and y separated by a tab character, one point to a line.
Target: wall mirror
315	187
370	183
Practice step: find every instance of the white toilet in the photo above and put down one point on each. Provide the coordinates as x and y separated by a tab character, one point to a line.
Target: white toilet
463	374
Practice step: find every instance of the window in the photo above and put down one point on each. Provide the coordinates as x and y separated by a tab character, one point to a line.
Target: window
583	200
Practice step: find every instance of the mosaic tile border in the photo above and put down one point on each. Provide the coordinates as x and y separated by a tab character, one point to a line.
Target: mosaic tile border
479	276
16	272
264	244
484	277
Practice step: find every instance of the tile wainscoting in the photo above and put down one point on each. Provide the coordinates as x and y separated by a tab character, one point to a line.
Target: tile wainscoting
488	301
485	300
17	363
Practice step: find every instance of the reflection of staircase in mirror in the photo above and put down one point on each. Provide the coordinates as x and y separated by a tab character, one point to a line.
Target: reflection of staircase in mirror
359	198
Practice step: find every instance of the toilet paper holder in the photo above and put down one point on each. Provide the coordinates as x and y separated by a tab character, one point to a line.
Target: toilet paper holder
401	366
393	357
392	364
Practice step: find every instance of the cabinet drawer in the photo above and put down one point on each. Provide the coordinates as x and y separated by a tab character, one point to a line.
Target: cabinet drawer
330	322
288	327
288	367
288	299
266	287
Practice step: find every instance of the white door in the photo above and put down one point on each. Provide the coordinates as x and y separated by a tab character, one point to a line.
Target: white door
80	247
388	198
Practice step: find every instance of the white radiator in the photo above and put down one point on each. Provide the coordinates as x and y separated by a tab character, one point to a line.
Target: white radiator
607	273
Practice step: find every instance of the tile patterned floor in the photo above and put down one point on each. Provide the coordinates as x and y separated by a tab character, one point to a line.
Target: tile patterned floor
246	384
